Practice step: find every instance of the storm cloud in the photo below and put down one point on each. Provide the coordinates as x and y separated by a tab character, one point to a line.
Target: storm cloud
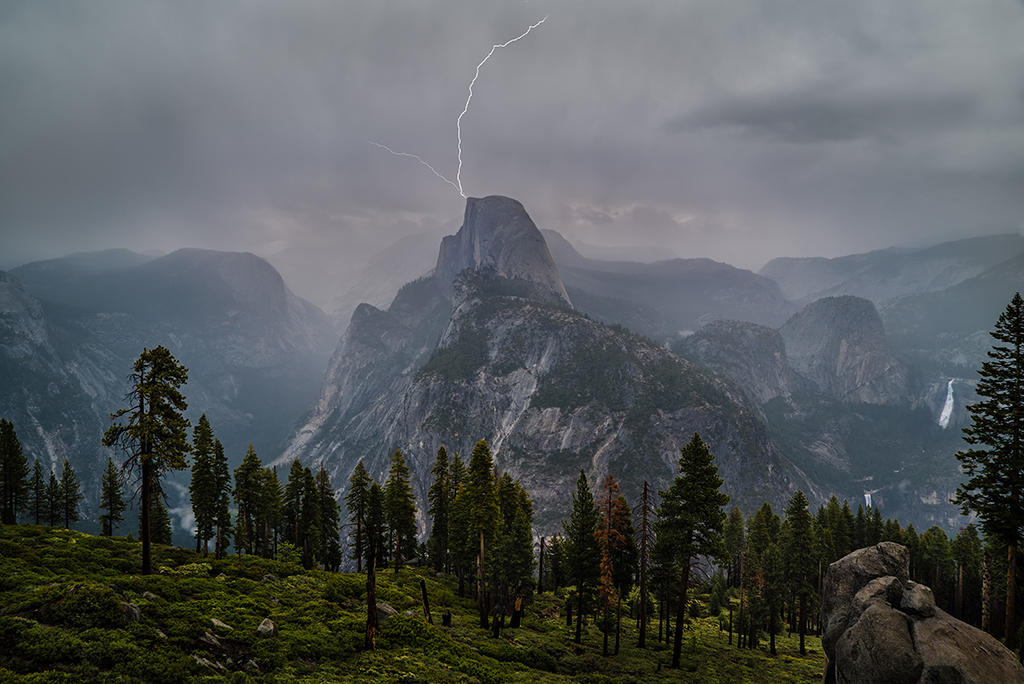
739	131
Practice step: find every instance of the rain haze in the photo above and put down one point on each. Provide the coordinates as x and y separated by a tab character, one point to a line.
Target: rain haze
738	131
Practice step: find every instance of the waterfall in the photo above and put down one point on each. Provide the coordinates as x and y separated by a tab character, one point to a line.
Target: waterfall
867	499
947	410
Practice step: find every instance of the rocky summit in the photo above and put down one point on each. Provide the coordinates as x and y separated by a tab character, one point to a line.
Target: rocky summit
499	354
881	627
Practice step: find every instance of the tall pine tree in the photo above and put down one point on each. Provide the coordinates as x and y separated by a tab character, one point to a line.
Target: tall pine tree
155	436
247	498
37	494
70	495
581	548
111	499
439	501
800	560
221	499
691	520
356	500
483	514
330	521
13	475
400	508
995	466
202	488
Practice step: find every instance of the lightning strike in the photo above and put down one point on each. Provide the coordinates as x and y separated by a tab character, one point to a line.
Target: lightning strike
458	123
417	158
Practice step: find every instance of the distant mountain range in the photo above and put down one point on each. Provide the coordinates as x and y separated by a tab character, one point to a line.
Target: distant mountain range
828	375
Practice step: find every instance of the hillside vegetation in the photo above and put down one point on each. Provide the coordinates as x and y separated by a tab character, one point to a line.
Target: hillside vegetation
67	601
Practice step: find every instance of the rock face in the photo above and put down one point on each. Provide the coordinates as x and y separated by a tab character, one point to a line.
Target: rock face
753	356
498	235
839	344
881	627
71	329
504	358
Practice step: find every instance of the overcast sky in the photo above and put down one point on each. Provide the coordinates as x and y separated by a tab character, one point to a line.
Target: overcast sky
739	130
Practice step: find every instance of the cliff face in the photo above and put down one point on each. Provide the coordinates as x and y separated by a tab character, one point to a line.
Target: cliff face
753	356
254	351
497	353
839	344
498	235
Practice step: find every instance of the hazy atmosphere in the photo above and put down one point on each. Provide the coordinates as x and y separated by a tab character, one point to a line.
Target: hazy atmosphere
739	131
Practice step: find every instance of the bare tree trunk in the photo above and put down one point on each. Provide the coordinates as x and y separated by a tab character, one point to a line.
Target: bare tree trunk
986	594
681	615
641	641
618	624
147	497
803	621
1011	596
540	571
482	584
371	600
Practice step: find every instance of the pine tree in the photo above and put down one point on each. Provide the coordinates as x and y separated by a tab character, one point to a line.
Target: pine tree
400	508
111	499
483	513
70	495
356	501
160	522
247	499
995	467
202	488
774	589
582	550
801	566
439	500
376	523
221	499
268	515
291	504
967	554
645	539
53	511
13	475
155	438
610	538
37	494
691	521
734	537
330	521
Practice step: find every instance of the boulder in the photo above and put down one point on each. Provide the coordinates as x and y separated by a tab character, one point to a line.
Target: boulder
881	627
220	625
384	613
150	596
267	628
131	612
210	640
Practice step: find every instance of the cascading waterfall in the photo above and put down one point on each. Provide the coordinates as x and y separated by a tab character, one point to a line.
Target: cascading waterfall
947	410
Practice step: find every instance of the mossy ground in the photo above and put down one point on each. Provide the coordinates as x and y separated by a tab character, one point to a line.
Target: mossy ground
61	620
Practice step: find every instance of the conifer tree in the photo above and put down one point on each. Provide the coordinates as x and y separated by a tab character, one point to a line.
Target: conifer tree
439	502
610	538
691	520
155	437
13	475
400	508
967	554
645	539
70	495
995	466
734	537
53	511
202	488
111	499
356	501
482	516
376	523
222	499
160	522
800	556
37	494
582	550
291	504
554	563
268	516
247	498
330	521
774	589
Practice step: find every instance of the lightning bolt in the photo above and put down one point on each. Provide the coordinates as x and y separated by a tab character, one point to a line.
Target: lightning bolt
458	123
417	158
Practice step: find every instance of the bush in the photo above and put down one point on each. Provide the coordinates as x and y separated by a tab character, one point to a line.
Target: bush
87	606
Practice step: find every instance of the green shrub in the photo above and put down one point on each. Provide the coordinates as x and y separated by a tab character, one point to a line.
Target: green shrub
341	587
90	605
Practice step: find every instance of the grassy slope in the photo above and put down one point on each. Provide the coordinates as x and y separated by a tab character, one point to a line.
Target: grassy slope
61	621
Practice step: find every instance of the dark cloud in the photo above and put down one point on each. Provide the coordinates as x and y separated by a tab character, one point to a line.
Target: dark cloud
740	130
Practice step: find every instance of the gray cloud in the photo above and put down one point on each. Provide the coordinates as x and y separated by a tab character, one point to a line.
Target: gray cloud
739	131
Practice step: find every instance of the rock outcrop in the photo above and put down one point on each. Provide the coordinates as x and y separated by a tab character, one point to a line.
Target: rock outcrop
839	344
498	235
881	627
753	356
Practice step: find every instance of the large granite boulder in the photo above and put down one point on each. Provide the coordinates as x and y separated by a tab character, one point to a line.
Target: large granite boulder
881	627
